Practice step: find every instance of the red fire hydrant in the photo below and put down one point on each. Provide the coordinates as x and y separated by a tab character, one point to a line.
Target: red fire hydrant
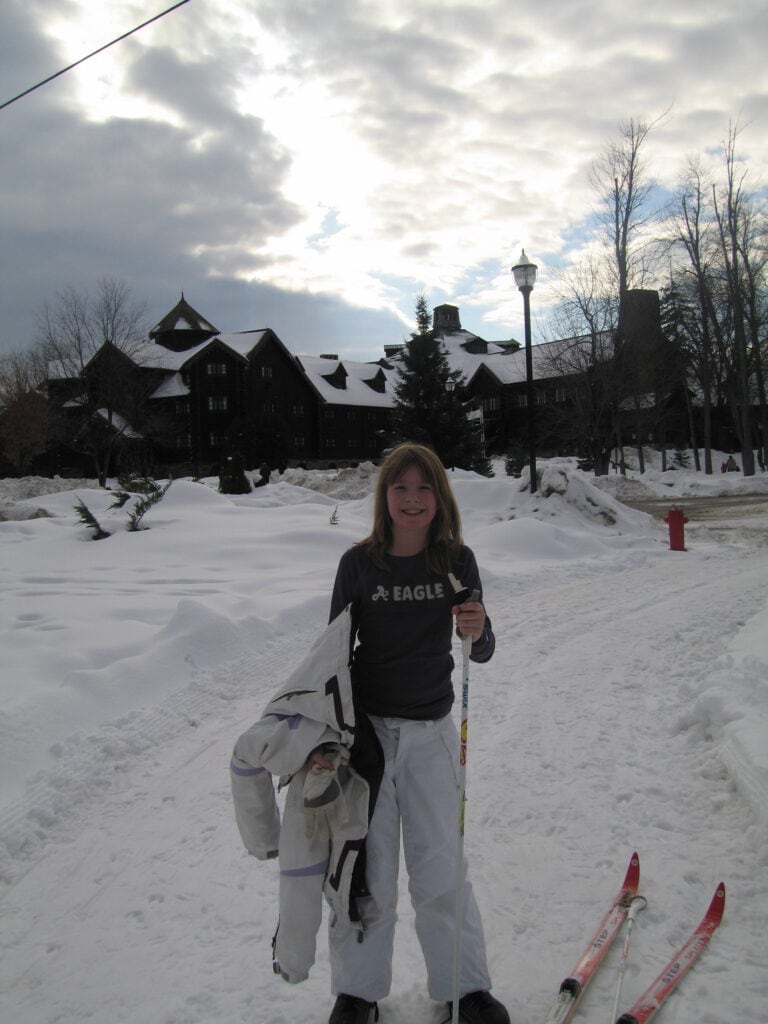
676	520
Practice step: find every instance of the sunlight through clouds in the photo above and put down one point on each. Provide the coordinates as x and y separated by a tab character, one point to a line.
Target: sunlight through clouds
273	157
99	83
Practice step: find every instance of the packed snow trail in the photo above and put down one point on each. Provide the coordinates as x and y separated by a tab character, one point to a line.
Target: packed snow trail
132	900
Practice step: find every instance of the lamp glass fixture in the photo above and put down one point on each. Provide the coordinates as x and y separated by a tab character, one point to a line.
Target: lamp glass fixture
525	272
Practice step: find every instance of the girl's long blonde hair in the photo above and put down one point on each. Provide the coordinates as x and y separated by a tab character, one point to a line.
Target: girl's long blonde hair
445	529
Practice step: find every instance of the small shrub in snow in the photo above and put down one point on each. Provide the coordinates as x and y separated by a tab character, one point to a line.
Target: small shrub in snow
681	459
121	498
515	461
143	505
136	485
153	494
88	519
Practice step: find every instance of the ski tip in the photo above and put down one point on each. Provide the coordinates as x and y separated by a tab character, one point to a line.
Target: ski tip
717	906
632	878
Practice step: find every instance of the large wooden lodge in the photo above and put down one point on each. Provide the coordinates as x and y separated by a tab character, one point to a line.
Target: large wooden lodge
210	393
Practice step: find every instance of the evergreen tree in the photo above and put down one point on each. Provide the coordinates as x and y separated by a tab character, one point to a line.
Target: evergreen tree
430	402
423	318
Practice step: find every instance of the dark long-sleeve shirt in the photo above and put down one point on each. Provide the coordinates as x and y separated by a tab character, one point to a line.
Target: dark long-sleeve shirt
402	663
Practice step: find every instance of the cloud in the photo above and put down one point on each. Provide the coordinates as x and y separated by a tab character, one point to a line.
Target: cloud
331	161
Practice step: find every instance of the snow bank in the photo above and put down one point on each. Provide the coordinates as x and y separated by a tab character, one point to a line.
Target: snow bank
734	709
132	663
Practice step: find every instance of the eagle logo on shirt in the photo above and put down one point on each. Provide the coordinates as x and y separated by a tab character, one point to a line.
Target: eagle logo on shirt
421	592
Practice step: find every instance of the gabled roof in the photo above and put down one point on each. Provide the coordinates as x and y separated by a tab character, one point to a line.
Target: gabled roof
118	423
172	387
550	359
510	368
241	343
470	354
157	357
183	318
466	352
343	382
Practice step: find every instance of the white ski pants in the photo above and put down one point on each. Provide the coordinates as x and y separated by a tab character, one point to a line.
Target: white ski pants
419	793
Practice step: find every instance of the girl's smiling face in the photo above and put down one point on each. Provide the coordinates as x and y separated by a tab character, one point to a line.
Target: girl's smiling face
412	505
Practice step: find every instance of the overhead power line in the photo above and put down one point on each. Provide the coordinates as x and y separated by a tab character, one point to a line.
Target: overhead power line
88	56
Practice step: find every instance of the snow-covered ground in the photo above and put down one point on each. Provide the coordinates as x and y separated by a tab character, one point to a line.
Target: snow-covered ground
626	709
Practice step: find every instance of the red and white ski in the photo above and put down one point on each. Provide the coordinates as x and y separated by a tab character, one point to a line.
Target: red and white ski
650	1001
573	986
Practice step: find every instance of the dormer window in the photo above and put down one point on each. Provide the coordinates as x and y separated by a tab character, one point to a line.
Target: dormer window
377	383
337	379
477	346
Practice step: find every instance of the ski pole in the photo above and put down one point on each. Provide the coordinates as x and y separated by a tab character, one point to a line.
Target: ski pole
466	643
638	903
462	596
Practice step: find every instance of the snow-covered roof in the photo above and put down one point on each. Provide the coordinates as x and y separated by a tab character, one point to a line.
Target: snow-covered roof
118	423
549	359
243	342
171	387
354	379
157	357
462	342
466	353
351	383
182	318
510	368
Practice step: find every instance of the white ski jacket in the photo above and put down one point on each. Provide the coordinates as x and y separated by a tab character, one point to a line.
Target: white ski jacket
313	707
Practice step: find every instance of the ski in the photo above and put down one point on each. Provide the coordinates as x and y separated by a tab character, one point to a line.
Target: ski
685	957
573	986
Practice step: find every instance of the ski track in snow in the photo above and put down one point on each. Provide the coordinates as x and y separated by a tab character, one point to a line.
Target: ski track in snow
131	850
607	740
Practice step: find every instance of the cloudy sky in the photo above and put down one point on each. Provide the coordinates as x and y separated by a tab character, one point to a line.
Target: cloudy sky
313	165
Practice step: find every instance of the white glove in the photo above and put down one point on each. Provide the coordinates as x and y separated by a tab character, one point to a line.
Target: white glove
324	803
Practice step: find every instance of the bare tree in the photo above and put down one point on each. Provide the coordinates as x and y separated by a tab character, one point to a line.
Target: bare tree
623	189
694	311
95	350
755	256
586	317
24	412
77	325
718	235
741	233
593	296
20	372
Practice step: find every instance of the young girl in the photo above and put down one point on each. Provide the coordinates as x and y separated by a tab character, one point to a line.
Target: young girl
404	610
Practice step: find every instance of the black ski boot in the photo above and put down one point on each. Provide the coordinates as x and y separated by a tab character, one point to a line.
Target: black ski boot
481	1008
351	1010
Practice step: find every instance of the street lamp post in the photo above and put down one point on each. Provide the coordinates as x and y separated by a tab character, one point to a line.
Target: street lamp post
449	387
525	278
